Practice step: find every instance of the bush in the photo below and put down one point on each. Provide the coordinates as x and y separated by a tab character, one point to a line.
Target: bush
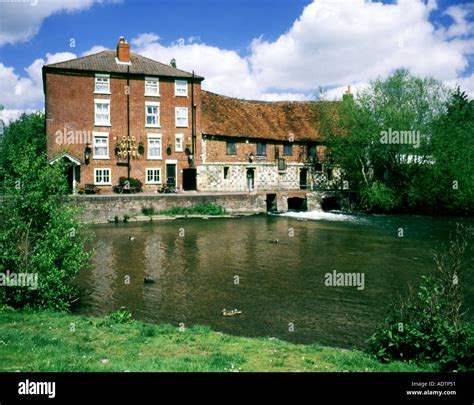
122	316
135	183
428	326
379	197
40	235
199	209
148	211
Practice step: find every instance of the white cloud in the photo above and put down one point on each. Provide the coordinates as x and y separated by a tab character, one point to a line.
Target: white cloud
460	14
466	83
332	44
10	115
25	94
21	20
335	43
94	49
226	72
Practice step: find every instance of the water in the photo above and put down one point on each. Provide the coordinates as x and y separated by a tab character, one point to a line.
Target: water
195	263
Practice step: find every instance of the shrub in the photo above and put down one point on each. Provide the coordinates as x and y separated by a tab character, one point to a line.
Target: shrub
199	209
39	233
379	197
148	211
428	325
122	316
135	183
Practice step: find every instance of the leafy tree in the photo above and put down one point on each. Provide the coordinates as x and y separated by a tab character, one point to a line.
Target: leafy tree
173	63
39	232
397	176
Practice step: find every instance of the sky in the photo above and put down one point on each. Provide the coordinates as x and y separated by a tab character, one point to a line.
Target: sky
253	49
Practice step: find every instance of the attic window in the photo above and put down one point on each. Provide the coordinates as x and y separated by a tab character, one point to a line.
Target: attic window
181	88
102	84
152	86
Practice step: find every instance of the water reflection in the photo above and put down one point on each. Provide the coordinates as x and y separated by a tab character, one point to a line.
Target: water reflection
194	263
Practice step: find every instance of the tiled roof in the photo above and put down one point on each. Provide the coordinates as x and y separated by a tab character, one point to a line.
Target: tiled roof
105	62
280	120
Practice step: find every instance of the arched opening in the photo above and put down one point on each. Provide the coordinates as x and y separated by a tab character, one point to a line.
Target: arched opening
296	204
331	203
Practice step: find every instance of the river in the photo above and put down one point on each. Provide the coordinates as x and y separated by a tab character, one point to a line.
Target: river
272	268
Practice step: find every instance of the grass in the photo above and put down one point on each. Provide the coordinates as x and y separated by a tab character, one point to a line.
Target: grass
199	209
50	341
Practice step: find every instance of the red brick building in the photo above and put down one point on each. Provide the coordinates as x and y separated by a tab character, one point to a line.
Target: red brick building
260	146
104	107
118	114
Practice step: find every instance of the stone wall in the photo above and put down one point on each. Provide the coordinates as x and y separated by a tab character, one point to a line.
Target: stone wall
210	177
104	208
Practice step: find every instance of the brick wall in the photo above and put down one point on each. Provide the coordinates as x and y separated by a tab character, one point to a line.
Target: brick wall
215	150
70	107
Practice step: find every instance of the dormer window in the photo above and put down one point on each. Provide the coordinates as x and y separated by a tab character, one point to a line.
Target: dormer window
181	88
102	84
152	86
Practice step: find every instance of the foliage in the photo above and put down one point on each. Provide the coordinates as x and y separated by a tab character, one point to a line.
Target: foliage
148	211
428	325
199	209
122	316
434	175
39	233
378	197
134	183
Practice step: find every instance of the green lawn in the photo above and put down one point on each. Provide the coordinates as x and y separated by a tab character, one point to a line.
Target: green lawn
48	341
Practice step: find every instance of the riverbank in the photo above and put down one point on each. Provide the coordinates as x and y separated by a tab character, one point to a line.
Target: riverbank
49	341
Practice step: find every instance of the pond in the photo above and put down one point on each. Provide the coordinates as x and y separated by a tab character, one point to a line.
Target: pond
272	268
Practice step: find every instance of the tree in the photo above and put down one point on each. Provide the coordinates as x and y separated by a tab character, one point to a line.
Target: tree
381	138
39	232
173	63
452	177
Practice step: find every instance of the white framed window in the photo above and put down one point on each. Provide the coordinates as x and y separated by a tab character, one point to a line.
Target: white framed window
181	88
102	112
154	147
152	86
100	145
153	176
152	114
102	176
102	84
181	115
179	142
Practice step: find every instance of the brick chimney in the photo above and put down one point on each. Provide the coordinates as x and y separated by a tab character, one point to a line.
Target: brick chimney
123	50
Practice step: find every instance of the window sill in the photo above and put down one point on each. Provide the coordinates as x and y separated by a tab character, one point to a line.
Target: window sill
182	126
153	126
107	93
154	158
102	184
151	95
180	95
153	184
101	125
101	158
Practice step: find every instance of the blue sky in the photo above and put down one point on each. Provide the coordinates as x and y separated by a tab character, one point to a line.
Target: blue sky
262	49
